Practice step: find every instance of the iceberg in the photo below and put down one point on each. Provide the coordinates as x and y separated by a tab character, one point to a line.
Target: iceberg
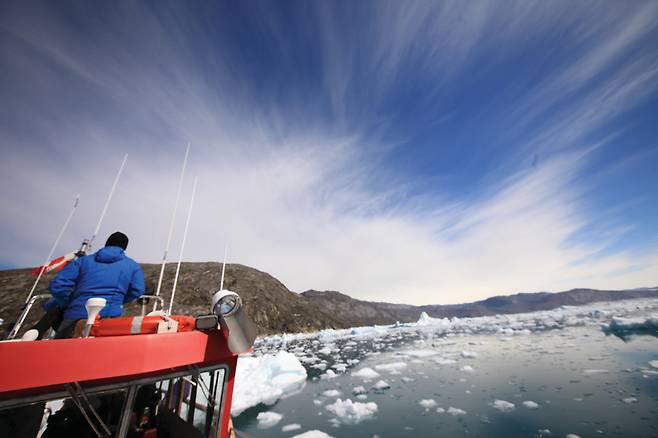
265	379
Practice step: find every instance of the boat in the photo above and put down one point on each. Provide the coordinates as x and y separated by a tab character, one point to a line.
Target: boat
173	379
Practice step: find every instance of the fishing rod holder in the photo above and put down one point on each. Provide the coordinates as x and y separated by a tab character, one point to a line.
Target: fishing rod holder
23	316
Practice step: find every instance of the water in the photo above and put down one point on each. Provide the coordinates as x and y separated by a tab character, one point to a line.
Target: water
583	382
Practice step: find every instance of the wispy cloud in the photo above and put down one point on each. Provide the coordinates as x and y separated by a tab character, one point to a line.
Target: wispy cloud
295	179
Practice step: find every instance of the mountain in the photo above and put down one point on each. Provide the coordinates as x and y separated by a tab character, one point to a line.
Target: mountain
275	309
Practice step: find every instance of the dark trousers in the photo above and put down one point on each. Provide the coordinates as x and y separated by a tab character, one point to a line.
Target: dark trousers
66	328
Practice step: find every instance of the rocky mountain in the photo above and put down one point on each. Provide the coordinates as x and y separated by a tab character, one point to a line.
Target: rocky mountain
275	309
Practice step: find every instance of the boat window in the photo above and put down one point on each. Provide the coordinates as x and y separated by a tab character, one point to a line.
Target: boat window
66	417
185	407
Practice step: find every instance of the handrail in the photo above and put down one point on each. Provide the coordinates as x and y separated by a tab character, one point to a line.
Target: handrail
26	310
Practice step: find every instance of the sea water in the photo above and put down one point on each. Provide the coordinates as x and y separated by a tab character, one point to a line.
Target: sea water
427	380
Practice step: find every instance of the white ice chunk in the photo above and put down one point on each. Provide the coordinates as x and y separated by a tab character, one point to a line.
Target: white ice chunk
359	390
629	400
467	369
456	411
381	385
350	412
427	403
595	371
328	375
366	373
572	435
469	354
312	434
530	404
653	363
503	406
390	367
268	419
331	393
291	427
419	353
265	379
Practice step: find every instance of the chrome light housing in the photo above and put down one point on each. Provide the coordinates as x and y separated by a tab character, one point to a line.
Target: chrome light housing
242	331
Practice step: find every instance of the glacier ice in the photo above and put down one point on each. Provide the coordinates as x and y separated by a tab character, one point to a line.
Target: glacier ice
350	412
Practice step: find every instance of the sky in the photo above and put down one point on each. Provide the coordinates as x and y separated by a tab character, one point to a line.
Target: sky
410	152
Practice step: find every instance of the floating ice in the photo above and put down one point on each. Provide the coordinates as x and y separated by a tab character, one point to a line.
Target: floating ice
350	412
444	361
390	367
544	432
291	427
362	397
455	411
265	379
366	373
313	434
467	369
595	371
629	400
268	419
621	324
503	406
530	404
653	363
427	403
440	410
419	353
381	385
359	390
469	354
329	375
331	393
572	435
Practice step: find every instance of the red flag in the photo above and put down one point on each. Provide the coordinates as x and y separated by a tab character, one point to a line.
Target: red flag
55	265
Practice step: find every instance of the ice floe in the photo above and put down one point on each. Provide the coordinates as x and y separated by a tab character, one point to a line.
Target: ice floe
265	379
331	393
503	406
391	367
291	427
366	373
456	411
427	403
312	434
381	385
350	412
359	390
268	419
530	404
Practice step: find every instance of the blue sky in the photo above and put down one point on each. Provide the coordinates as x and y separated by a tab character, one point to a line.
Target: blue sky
421	152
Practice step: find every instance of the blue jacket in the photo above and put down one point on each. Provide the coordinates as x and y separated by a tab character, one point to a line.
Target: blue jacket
108	273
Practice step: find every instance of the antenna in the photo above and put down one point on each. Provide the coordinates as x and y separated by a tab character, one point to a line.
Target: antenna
221	283
182	247
87	245
171	226
52	249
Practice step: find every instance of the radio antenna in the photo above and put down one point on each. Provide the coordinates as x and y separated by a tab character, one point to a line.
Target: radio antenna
86	245
52	248
221	282
182	247
171	226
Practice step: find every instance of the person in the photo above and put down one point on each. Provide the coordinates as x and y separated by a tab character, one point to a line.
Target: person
108	273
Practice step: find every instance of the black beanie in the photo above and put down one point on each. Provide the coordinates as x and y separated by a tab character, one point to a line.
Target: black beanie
117	239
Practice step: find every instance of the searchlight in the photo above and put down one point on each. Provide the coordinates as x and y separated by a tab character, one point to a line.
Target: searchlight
242	331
